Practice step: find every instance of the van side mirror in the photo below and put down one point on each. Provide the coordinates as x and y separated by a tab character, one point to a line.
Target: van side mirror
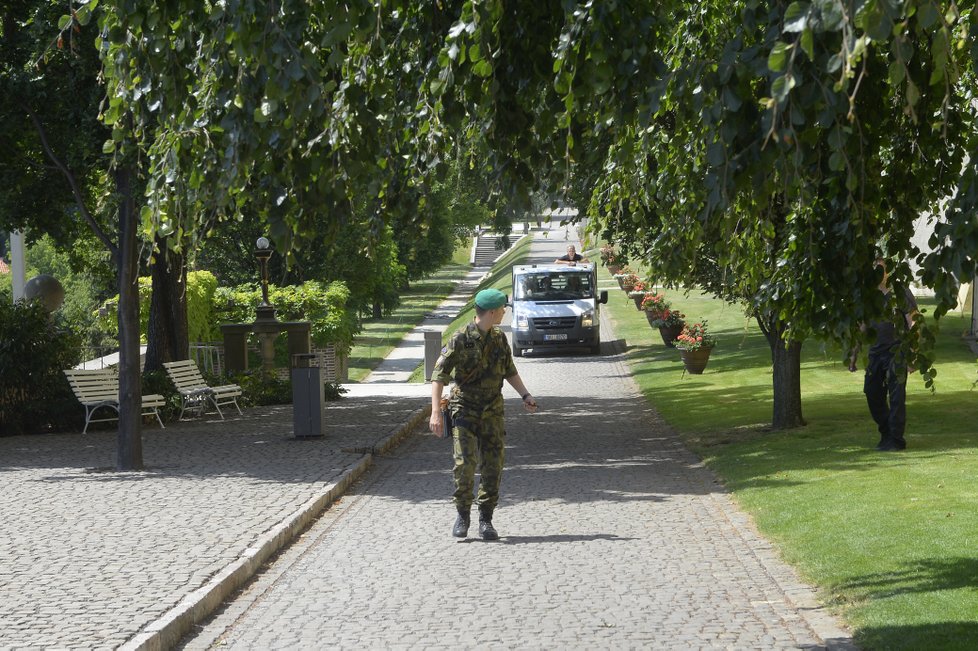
604	296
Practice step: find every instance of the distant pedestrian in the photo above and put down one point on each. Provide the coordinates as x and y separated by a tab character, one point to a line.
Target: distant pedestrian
572	257
885	383
478	359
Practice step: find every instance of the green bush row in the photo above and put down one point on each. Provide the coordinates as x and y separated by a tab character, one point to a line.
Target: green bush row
325	305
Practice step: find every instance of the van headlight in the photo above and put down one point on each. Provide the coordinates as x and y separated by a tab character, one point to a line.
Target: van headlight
587	319
522	323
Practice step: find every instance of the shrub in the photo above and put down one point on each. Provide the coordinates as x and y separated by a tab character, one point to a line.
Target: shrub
324	306
34	350
201	322
261	388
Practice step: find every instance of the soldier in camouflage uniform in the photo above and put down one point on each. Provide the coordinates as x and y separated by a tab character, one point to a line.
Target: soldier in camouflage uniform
478	359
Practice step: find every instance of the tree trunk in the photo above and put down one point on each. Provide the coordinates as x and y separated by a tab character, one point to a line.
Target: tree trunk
167	339
786	362
129	449
378	311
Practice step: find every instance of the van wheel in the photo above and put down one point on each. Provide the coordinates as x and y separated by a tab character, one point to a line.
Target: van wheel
517	351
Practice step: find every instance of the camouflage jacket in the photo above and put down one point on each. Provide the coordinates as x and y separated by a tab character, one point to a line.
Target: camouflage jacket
478	383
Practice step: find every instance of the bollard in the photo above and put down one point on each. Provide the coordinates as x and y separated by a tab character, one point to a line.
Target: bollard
308	398
432	349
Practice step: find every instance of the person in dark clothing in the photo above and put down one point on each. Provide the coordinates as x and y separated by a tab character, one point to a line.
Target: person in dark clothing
885	383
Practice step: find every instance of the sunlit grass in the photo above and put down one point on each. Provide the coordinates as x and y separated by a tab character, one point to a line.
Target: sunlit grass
380	336
499	277
890	539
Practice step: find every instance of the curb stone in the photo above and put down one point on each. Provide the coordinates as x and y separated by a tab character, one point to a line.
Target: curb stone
169	629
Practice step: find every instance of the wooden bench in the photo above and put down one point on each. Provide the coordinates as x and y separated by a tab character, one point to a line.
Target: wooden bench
100	388
195	392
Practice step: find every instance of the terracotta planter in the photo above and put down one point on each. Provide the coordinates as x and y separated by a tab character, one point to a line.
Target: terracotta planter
613	269
695	360
668	333
638	301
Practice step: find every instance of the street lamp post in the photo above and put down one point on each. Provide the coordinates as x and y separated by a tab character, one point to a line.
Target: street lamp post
265	311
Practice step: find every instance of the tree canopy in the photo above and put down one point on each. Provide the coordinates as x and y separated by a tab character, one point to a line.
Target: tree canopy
765	150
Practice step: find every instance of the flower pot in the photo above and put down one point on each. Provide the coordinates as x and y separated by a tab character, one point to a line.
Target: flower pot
695	360
613	269
668	333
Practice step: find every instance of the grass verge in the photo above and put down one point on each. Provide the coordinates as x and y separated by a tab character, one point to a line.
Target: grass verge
499	277
379	336
890	539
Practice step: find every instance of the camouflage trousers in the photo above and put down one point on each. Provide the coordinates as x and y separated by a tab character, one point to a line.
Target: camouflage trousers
478	441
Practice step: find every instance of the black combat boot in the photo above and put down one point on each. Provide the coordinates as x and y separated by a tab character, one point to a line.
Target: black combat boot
461	528
486	530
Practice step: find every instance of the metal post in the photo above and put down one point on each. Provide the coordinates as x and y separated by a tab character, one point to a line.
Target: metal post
432	349
974	308
17	264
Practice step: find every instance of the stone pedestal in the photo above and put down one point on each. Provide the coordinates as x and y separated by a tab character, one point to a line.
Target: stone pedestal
236	341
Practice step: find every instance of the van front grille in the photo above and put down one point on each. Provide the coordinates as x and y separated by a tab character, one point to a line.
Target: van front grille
555	323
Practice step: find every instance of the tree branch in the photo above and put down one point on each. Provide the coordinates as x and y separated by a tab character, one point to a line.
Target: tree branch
72	183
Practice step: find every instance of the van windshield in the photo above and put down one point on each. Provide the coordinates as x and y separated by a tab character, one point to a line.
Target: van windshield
552	286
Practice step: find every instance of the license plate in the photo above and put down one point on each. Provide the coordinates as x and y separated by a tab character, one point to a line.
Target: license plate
560	337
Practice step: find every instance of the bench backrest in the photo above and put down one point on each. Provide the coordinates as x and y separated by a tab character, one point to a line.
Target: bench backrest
89	385
185	375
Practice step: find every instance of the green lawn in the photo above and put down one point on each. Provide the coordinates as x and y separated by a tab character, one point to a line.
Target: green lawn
379	336
500	277
890	539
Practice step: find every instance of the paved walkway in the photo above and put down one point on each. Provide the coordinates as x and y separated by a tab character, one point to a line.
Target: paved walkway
613	534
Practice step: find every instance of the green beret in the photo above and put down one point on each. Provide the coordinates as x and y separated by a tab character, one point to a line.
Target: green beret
490	299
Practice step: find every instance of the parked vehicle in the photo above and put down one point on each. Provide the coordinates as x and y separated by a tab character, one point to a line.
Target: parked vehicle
556	306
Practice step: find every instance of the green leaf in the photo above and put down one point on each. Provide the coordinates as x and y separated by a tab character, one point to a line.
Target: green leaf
63	22
897	73
782	86
731	100
877	21
913	94
837	162
778	58
482	68
834	63
927	15
808	43
796	17
108	147
832	14
83	15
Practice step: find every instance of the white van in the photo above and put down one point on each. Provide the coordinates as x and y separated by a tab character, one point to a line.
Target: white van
556	306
